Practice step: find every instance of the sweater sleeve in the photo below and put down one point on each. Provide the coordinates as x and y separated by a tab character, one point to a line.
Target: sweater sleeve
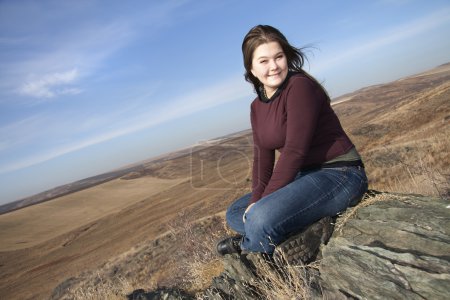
303	107
263	162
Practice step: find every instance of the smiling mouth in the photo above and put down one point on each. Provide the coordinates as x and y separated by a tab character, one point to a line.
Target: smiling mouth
274	77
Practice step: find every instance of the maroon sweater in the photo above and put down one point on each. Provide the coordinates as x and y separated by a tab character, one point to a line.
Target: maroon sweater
300	123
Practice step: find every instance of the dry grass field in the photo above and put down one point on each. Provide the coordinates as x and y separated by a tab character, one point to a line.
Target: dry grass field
402	130
84	230
158	226
65	214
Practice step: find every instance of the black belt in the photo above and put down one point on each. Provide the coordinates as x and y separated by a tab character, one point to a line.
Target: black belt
336	164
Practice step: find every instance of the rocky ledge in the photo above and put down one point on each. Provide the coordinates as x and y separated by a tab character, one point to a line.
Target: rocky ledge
398	248
388	247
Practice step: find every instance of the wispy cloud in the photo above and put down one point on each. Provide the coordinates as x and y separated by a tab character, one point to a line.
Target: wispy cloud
51	85
395	2
74	52
394	35
229	90
21	132
51	73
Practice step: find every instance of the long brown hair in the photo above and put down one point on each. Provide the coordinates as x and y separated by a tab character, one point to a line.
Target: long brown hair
262	34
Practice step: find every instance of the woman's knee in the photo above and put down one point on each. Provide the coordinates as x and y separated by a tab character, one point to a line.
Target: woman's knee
260	221
236	210
238	205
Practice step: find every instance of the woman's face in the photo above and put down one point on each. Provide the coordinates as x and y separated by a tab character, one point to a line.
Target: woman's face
269	65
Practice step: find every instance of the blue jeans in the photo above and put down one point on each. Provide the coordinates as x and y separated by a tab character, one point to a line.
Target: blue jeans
312	195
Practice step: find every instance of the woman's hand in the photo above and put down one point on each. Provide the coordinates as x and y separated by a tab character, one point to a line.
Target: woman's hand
244	217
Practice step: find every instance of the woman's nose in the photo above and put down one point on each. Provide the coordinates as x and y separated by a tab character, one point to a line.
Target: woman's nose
273	65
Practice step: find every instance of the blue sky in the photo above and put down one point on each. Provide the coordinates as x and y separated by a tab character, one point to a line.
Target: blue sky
90	86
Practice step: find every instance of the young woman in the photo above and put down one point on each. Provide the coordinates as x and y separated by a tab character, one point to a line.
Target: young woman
319	173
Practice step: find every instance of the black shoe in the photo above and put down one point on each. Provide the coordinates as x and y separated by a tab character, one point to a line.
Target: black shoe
229	245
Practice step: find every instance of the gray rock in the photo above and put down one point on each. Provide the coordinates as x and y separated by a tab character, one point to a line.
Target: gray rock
393	249
236	280
242	273
160	294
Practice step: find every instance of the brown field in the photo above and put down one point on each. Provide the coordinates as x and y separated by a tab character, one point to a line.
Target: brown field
139	231
402	129
67	213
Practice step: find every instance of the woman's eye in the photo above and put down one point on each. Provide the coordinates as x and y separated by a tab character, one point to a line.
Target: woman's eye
263	61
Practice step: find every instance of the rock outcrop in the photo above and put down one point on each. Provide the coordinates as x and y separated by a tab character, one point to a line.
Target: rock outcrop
389	247
393	249
244	275
162	293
